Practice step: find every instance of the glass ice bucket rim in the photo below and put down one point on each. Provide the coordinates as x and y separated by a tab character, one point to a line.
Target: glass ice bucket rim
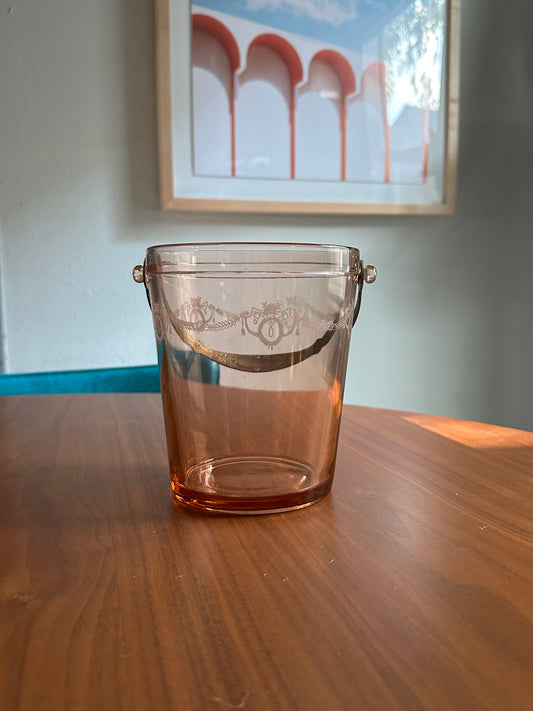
287	260
253	258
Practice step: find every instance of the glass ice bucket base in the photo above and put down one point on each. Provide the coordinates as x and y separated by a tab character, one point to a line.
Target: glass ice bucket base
272	485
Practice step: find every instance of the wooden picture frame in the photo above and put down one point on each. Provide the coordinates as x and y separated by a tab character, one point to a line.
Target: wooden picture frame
382	167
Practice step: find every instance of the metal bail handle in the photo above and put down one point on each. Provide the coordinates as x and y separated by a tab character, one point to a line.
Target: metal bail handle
258	363
368	275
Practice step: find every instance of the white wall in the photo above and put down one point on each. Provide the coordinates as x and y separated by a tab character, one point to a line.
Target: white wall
447	328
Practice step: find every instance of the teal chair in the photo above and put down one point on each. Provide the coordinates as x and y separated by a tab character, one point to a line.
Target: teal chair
191	366
136	379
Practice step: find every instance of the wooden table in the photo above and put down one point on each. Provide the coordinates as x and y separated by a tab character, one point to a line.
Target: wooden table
410	587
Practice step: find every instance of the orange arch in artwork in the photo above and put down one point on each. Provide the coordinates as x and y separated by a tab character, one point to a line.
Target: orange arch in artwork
373	84
285	50
294	66
343	69
208	24
220	32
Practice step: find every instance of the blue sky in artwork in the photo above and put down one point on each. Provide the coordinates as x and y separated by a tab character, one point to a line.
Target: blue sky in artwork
344	23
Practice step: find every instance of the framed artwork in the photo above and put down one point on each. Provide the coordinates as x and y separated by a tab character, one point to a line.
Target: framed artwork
308	106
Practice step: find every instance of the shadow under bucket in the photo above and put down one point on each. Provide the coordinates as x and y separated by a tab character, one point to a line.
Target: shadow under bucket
253	342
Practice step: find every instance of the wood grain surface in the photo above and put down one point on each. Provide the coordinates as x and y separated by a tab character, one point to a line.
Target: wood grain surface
409	587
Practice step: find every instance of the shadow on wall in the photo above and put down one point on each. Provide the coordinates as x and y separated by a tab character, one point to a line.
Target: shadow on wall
496	184
137	42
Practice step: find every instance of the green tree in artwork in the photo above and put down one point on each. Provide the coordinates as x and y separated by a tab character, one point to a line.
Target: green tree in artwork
413	42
